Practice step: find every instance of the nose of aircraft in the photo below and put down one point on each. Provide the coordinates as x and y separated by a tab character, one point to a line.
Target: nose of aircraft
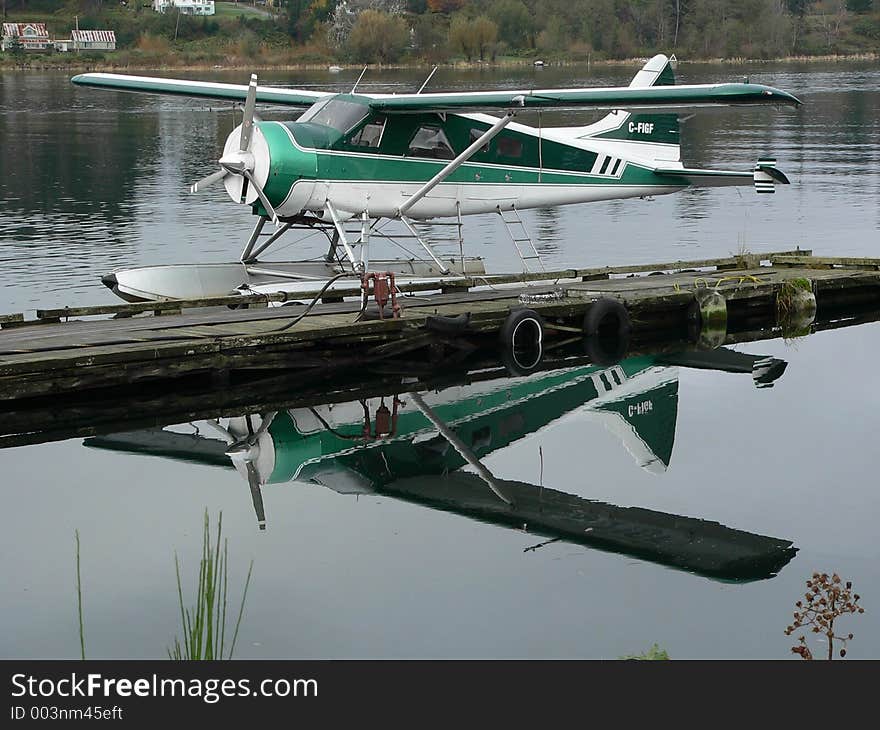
256	159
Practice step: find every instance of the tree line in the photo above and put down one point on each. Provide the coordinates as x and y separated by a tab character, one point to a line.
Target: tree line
438	31
483	30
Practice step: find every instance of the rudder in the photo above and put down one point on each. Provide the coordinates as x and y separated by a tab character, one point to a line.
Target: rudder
655	136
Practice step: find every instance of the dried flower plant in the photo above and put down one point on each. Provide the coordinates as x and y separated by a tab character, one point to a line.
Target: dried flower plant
827	599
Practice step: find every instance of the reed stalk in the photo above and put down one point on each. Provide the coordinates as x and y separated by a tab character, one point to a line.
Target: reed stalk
204	624
79	601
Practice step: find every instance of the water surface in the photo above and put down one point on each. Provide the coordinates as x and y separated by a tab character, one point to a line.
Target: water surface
91	181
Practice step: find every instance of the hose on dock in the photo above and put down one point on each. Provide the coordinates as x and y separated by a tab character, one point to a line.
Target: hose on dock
317	298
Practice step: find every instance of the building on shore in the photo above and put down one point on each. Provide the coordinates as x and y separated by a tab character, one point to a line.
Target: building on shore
185	7
30	36
88	40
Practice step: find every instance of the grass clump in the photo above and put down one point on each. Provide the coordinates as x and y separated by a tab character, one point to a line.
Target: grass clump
795	308
204	623
788	300
655	653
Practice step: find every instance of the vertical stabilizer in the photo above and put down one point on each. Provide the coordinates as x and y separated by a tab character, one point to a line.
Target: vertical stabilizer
648	136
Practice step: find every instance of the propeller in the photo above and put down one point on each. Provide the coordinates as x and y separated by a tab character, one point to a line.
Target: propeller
246	448
241	161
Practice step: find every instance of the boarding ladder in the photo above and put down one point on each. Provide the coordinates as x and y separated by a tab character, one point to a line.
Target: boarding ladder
518	233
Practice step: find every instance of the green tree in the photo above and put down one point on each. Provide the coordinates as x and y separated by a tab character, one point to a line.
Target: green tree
304	16
514	21
431	32
555	36
378	36
15	48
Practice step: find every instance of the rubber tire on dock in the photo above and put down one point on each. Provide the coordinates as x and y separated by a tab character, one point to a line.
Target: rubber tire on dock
607	329
522	341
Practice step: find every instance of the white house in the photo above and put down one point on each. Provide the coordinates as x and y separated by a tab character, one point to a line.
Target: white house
88	40
31	36
185	7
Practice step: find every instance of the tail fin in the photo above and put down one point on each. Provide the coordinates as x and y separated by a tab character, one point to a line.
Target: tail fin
651	136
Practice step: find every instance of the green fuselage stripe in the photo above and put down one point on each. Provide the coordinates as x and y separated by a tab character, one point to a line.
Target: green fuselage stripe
324	154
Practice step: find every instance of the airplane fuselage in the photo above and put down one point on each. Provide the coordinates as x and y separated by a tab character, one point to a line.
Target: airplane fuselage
377	164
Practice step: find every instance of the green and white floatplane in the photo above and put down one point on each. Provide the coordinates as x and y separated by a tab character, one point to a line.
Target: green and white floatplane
352	163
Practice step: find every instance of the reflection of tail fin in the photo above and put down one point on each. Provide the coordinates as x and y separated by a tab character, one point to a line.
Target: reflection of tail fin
642	413
652	136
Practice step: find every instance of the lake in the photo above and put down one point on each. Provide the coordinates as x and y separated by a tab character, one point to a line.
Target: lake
402	550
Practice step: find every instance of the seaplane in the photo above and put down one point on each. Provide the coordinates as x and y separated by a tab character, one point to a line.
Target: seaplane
351	163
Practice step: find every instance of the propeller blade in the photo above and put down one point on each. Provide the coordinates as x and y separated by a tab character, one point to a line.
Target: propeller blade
256	494
247	122
262	196
264	425
208	180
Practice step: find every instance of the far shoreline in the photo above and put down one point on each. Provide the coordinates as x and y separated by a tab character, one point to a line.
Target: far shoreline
243	64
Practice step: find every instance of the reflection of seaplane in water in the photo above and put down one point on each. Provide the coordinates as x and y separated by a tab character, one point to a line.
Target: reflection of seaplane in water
428	448
369	159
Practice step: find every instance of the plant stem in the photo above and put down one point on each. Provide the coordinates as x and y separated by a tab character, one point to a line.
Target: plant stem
79	603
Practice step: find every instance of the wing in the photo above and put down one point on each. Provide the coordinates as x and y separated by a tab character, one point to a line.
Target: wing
199	89
624	97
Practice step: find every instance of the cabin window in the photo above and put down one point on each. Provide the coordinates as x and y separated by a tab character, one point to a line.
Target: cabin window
370	135
336	113
475	135
509	147
431	142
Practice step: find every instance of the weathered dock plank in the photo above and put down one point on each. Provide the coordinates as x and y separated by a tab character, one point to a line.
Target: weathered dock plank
79	354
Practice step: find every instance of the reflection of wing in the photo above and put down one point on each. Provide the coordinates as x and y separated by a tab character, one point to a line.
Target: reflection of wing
201	89
188	447
700	546
627	97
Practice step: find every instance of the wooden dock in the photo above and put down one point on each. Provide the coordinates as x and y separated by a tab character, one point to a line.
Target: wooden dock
79	349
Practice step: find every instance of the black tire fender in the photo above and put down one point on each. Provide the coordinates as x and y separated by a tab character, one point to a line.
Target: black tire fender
522	341
607	317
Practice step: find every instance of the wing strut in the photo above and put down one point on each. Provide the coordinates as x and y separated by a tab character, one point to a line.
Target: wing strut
453	165
444	269
357	264
461	447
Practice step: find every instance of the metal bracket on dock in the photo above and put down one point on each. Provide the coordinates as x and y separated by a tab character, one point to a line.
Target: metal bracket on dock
384	289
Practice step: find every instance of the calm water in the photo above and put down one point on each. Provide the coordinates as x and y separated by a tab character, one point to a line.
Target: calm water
92	181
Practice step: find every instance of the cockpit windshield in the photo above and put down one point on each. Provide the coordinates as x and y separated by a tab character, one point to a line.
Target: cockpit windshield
337	113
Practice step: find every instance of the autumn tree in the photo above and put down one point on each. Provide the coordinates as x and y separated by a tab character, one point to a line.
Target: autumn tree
472	37
444	6
378	37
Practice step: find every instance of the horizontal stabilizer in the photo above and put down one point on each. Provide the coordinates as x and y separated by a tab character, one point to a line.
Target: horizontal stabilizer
764	177
767	176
